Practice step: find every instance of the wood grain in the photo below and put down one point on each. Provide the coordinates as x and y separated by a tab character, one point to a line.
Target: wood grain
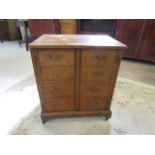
76	81
76	41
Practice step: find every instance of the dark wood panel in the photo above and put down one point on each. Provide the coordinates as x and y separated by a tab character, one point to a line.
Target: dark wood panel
147	46
128	32
41	26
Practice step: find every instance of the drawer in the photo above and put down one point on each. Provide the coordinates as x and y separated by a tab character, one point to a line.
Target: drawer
98	58
56	57
56	73
58	104
52	89
94	73
88	103
95	88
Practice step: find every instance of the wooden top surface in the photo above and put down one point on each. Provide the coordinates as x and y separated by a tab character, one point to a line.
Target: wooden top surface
76	41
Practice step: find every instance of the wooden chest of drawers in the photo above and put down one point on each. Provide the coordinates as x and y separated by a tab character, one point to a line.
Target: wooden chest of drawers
76	74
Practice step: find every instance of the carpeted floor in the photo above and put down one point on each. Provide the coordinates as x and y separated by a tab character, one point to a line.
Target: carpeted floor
18	96
133	112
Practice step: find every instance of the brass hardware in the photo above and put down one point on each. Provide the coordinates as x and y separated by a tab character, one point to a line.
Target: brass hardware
56	57
95	88
56	74
98	72
57	103
57	89
93	102
99	57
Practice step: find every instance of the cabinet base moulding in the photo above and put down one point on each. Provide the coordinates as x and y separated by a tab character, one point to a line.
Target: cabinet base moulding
47	116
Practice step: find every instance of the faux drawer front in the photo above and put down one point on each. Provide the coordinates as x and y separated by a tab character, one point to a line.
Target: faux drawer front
53	89
56	57
94	73
56	73
58	104
92	103
95	88
98	57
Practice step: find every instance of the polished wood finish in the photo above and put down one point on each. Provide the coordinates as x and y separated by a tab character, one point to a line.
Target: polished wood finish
56	73
42	26
96	73
56	57
128	32
98	58
58	104
93	103
78	41
147	48
57	89
76	74
68	26
139	36
95	88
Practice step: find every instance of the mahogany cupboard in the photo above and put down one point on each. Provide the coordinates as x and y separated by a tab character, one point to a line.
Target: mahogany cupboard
139	36
76	74
42	26
147	45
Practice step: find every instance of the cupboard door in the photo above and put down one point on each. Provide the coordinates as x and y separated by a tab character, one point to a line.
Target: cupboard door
128	32
147	46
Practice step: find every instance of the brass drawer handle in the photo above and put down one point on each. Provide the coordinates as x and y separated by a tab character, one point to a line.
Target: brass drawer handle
57	103
56	89
98	72
93	102
95	88
56	57
99	57
56	74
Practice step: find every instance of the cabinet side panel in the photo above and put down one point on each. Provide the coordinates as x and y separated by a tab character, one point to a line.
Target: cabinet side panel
33	56
118	57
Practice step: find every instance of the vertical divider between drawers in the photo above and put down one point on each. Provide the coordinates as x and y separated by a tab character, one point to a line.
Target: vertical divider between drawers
77	77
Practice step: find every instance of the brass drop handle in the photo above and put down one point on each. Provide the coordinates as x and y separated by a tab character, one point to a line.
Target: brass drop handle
57	103
99	57
56	57
57	89
95	88
55	74
93	102
98	72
